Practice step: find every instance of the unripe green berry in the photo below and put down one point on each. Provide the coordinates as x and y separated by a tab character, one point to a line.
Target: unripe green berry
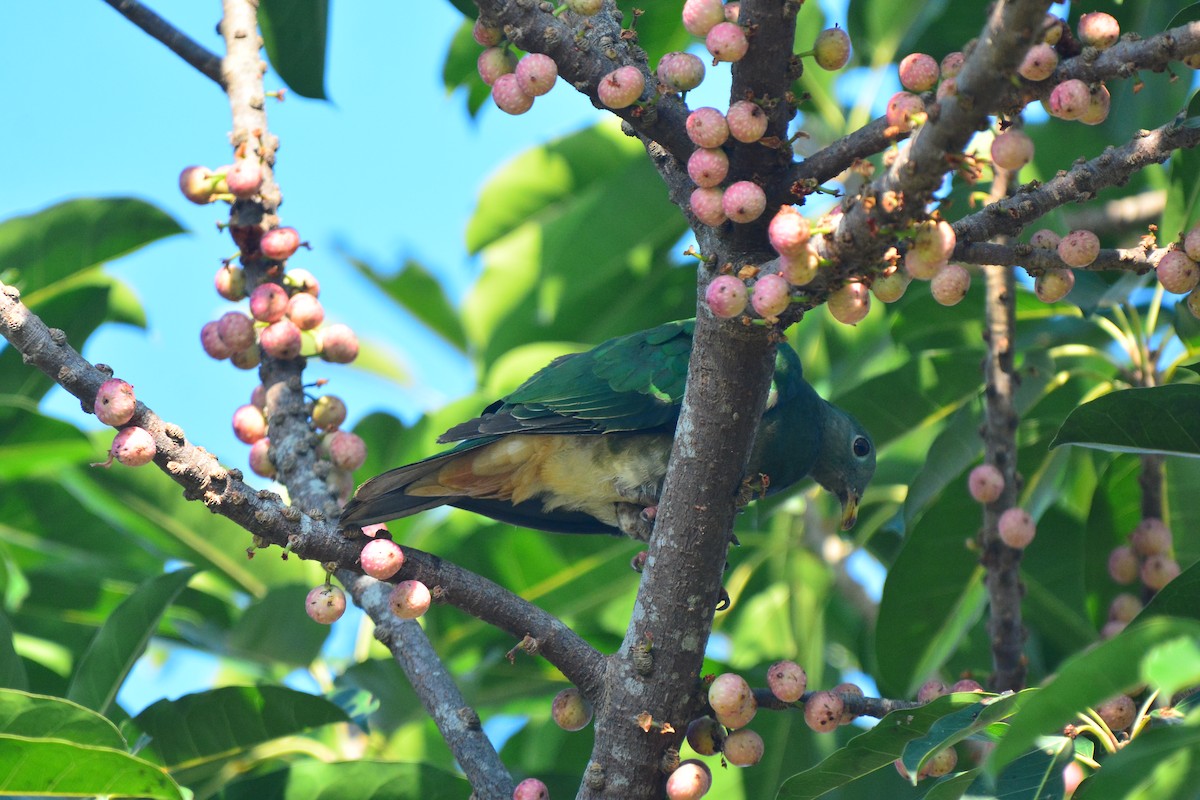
570	710
831	50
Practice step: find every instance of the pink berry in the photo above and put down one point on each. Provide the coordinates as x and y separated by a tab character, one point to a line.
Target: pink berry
919	267
410	599
708	167
705	735
726	296
729	692
823	711
1151	537
1118	712
1016	528
1124	607
1079	248
1123	565
305	311
707	127
741	716
347	450
747	121
381	558
680	72
831	50
249	358
1157	571
231	282
950	285
891	286
904	109
1099	104
486	35
281	339
1191	244
507	94
947	88
1099	30
258	397
244	177
788	232
941	764
325	604
198	184
743	748
375	530
115	402
1040	62
771	295
966	685
339	344
570	710
211	341
952	64
691	780
1070	99
494	62
787	680
1045	239
133	447
1177	273
585	8
236	330
935	241
931	690
744	201
328	412
1054	284
918	72
985	483
727	42
301	280
799	270
249	424
708	206
622	87
268	302
278	244
849	305
260	458
1193	303
1012	149
536	74
1112	628
699	16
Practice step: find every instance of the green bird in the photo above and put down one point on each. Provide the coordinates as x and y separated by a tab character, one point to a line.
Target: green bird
582	446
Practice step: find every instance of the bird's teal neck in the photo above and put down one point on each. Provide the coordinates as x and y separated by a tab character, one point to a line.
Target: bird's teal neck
790	434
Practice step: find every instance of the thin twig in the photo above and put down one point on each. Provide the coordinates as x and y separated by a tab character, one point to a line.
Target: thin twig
182	45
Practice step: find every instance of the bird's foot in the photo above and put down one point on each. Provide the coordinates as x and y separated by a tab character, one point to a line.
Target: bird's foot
635	520
751	486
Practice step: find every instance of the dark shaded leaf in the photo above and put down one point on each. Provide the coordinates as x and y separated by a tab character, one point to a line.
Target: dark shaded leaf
1161	419
362	780
294	32
416	290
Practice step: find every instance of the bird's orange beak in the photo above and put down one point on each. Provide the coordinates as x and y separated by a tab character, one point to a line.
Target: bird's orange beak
849	511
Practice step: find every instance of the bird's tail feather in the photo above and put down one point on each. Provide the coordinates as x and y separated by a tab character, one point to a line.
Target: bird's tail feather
384	497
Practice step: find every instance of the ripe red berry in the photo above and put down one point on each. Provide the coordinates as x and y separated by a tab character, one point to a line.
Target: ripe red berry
1176	272
680	72
258	397
788	232
268	302
381	558
281	339
622	87
707	167
747	121
249	424
278	244
325	604
115	402
507	94
1040	62
305	310
410	599
486	35
904	110
952	64
570	710
831	50
132	446
236	330
211	341
918	72
338	343
260	458
1016	528
536	74
771	295
985	483
699	16
1069	99
1099	30
691	780
494	62
966	685
346	450
727	42
707	127
1079	248
708	206
726	296
244	177
744	201
1012	149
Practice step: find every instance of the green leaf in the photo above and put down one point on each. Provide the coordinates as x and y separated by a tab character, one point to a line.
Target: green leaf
42	717
362	780
1177	598
1161	419
194	733
30	766
61	241
1159	764
276	628
460	67
12	668
959	725
1087	679
294	32
33	444
121	641
1173	665
883	744
416	290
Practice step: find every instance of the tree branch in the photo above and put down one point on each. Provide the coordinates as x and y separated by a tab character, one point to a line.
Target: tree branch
456	721
204	60
856	704
1037	259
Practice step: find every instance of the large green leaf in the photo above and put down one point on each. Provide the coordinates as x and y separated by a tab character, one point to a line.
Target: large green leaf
12	669
121	641
52	245
419	293
42	717
1178	598
362	780
294	32
198	731
276	629
33	444
32	766
1161	419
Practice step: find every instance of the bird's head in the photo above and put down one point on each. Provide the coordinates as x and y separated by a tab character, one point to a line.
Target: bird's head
846	461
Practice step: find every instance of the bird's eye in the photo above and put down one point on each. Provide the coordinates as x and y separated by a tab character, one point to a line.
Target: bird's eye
861	446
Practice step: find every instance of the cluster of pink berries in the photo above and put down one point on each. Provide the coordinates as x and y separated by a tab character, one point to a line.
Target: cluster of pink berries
1179	271
515	83
1015	526
115	405
1073	99
1147	557
381	558
943	762
717	24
